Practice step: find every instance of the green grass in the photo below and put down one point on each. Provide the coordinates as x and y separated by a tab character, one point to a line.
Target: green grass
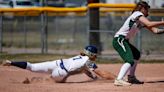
46	57
32	57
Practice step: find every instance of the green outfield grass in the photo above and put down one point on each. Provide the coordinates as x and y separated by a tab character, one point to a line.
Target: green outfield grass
45	57
31	57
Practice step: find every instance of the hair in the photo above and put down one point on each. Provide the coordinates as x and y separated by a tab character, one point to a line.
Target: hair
140	5
82	53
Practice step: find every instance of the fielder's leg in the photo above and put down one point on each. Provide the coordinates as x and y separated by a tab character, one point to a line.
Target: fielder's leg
131	77
121	45
136	56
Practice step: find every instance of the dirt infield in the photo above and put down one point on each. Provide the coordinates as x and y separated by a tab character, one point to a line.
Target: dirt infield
12	80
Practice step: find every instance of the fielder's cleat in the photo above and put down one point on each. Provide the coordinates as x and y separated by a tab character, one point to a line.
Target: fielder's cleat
6	63
121	83
134	80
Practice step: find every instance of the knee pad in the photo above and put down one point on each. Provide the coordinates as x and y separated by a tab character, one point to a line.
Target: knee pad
137	55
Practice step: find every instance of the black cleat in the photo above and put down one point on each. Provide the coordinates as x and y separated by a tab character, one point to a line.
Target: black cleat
134	80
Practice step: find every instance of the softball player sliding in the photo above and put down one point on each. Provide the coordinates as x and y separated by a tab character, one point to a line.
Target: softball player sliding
127	51
61	69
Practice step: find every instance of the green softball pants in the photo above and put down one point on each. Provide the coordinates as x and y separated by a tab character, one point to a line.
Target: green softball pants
127	51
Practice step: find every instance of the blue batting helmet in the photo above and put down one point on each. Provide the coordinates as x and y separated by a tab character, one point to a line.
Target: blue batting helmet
90	50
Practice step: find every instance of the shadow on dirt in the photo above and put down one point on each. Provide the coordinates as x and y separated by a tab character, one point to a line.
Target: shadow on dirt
159	81
94	81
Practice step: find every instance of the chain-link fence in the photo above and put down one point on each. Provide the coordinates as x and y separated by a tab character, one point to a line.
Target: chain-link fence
69	33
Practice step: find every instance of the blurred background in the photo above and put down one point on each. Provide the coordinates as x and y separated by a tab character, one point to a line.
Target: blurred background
68	33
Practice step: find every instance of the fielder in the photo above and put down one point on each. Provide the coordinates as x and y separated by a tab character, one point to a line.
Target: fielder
61	69
126	50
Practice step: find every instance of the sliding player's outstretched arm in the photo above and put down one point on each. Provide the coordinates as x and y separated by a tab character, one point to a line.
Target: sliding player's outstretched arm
105	74
95	74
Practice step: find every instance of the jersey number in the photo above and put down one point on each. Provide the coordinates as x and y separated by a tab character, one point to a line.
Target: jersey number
77	58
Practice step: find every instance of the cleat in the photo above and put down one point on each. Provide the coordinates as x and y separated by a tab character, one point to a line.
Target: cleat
121	83
6	63
134	80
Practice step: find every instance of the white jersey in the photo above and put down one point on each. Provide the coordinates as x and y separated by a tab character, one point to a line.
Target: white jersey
131	26
78	63
59	69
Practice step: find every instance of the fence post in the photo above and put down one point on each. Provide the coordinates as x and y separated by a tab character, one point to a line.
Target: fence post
44	31
25	32
1	31
94	37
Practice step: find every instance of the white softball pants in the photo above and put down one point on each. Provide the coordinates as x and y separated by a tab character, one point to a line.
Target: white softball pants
53	67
